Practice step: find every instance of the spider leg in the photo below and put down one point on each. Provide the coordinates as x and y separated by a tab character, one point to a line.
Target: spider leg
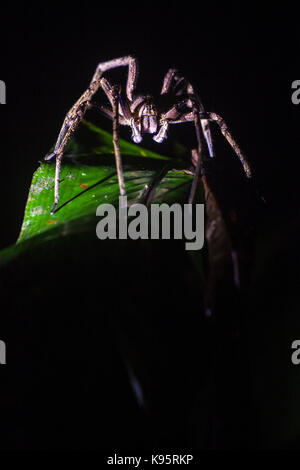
116	142
70	123
174	83
109	113
177	115
124	109
174	117
207	134
129	61
197	173
178	85
76	113
126	114
228	136
168	78
204	122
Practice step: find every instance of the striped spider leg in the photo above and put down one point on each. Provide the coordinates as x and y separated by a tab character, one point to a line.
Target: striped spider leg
78	110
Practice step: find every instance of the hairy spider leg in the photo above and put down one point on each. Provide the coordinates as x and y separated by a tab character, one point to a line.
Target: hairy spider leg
197	173
204	122
175	116
124	111
116	140
76	113
109	113
113	94
167	81
228	136
174	83
132	76
71	122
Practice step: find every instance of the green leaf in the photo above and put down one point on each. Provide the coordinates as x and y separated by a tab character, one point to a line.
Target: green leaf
88	179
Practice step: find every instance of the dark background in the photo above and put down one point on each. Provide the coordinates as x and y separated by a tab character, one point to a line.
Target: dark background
237	58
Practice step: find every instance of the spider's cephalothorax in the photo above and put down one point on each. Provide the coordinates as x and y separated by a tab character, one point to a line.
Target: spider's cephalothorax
143	116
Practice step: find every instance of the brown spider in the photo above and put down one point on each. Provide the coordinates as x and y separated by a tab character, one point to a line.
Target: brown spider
143	116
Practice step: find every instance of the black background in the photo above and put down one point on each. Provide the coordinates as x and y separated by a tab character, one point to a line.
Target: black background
237	58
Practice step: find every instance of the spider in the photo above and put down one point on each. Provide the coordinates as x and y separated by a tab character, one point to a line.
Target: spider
144	116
